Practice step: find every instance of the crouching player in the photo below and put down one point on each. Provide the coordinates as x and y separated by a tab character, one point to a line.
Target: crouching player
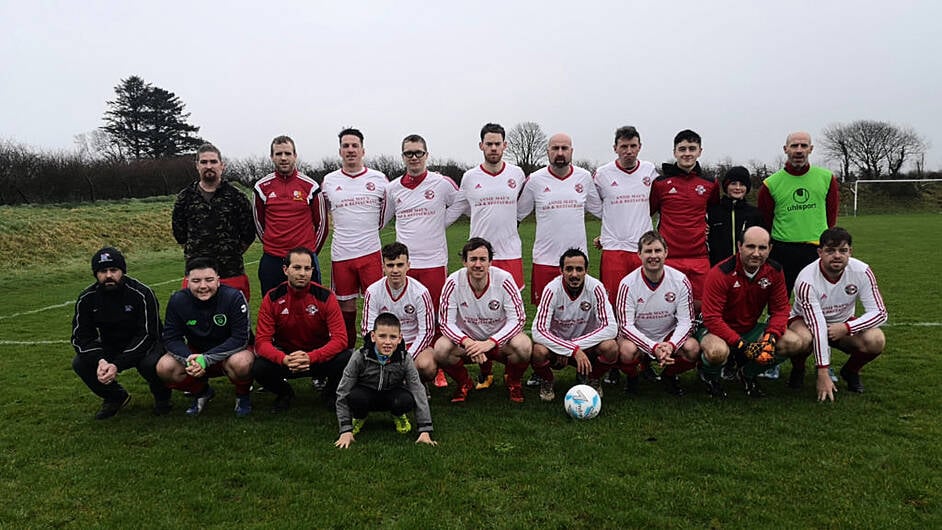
574	325
206	334
481	317
737	291
826	294
382	376
654	307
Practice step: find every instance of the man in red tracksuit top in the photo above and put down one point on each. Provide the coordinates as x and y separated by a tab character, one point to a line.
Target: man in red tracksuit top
736	292
289	212
300	333
681	196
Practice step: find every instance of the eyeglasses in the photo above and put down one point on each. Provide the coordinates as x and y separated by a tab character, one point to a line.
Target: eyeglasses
413	154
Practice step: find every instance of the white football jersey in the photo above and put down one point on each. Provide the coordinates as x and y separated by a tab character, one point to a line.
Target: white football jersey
563	324
356	205
413	306
490	199
497	314
560	205
420	213
646	316
626	210
819	303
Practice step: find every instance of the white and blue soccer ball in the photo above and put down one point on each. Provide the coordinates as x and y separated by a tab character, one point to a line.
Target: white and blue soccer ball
582	402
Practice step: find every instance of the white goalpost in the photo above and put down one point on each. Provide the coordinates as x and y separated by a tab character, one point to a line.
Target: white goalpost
885	181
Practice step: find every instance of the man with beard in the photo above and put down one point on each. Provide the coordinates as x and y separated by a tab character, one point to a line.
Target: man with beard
212	218
574	326
116	327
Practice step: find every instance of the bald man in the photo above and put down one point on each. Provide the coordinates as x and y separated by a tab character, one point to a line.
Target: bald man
560	193
735	294
798	203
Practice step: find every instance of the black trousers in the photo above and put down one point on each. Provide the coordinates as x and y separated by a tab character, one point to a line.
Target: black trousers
86	367
272	375
363	400
793	257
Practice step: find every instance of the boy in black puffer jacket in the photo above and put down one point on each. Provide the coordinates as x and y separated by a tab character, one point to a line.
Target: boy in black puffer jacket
731	216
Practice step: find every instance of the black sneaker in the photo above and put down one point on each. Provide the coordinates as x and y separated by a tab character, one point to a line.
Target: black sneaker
162	407
796	379
853	380
318	384
282	402
672	385
750	385
714	386
581	379
631	385
110	408
534	381
650	375
611	377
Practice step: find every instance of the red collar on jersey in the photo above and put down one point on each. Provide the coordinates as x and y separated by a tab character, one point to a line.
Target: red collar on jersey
413	182
797	171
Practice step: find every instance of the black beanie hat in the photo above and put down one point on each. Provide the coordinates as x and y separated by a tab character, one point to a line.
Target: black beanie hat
108	257
738	174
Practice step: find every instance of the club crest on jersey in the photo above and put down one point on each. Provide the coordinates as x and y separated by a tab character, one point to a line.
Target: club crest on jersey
511	183
493	305
764	282
311	309
409	309
585	306
646	181
669	296
700	189
430	194
579	188
370	186
851	289
296	195
220	320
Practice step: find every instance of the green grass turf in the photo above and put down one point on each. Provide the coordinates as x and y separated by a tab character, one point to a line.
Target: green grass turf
868	460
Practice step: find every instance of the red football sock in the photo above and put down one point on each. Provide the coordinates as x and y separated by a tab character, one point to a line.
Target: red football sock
543	370
600	367
680	366
858	360
514	372
350	322
630	369
459	373
242	388
190	384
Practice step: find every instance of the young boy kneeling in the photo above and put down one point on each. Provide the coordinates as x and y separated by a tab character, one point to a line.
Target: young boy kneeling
382	376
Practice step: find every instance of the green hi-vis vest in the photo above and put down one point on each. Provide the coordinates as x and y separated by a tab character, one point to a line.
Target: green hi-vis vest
800	205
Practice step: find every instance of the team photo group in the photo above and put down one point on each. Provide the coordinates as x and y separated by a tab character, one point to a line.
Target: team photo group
691	277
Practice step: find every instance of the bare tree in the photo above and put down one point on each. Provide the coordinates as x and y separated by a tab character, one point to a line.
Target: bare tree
527	143
873	148
97	144
389	165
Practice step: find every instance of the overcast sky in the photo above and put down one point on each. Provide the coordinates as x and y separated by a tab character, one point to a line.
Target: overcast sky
741	73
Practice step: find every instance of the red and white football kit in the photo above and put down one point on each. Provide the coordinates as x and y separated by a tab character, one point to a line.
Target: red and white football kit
413	305
820	302
497	314
650	313
564	324
289	213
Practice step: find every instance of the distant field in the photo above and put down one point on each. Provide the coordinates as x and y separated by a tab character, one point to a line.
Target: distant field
868	460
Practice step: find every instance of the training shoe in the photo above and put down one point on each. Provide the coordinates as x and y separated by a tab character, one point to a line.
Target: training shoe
595	383
357	425
461	393
440	380
796	379
672	385
534	380
831	374
853	380
110	408
484	381
162	407
714	386
581	379
199	401
771	374
611	377
631	385
516	392
318	384
750	385
282	402
402	424
546	391
243	406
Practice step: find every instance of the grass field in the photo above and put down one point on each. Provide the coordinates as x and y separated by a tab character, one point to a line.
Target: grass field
869	460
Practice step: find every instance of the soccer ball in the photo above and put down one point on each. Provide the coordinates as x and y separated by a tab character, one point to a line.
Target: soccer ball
582	402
